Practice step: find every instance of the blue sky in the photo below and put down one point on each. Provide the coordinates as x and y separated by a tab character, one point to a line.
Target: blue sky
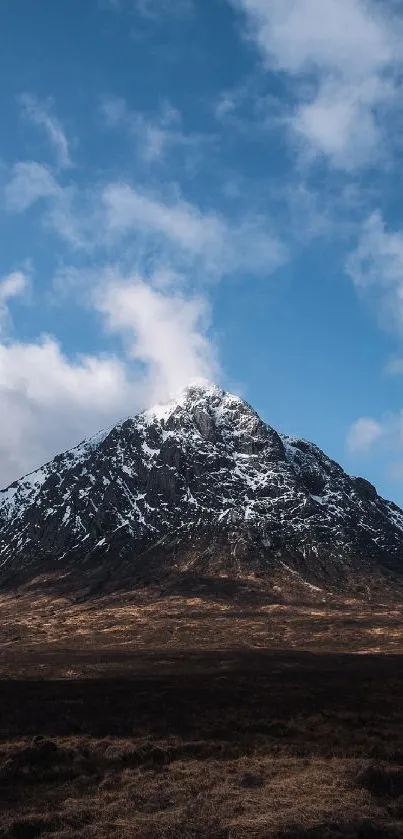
202	188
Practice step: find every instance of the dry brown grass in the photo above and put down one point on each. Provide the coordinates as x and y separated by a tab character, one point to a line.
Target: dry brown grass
102	795
221	713
198	615
247	746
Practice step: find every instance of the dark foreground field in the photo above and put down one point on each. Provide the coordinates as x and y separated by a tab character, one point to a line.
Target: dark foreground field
126	722
206	747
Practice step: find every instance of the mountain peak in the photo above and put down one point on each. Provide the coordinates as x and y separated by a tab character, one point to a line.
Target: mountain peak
197	390
204	385
200	479
197	387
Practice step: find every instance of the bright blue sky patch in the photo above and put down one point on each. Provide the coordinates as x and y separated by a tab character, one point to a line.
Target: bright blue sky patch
202	188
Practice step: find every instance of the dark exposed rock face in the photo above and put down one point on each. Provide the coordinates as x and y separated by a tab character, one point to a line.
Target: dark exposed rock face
203	478
365	490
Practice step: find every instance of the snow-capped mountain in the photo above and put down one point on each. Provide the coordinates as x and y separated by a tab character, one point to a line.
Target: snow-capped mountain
198	480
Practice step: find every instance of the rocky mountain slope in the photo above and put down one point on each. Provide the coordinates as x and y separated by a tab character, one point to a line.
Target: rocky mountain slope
200	483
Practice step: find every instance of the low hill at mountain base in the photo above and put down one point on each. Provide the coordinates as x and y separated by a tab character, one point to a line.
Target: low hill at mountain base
65	636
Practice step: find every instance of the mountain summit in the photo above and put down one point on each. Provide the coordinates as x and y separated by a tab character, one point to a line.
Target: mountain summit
200	482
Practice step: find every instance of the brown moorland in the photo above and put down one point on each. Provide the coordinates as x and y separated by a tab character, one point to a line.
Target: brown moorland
207	710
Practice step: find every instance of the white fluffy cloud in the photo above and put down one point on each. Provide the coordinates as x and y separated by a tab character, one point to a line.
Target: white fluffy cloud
363	434
343	56
163	329
346	36
48	402
371	437
340	122
223	247
178	221
12	285
376	267
171	228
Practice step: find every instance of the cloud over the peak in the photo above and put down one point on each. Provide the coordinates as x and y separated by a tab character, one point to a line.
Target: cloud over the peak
50	401
162	328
